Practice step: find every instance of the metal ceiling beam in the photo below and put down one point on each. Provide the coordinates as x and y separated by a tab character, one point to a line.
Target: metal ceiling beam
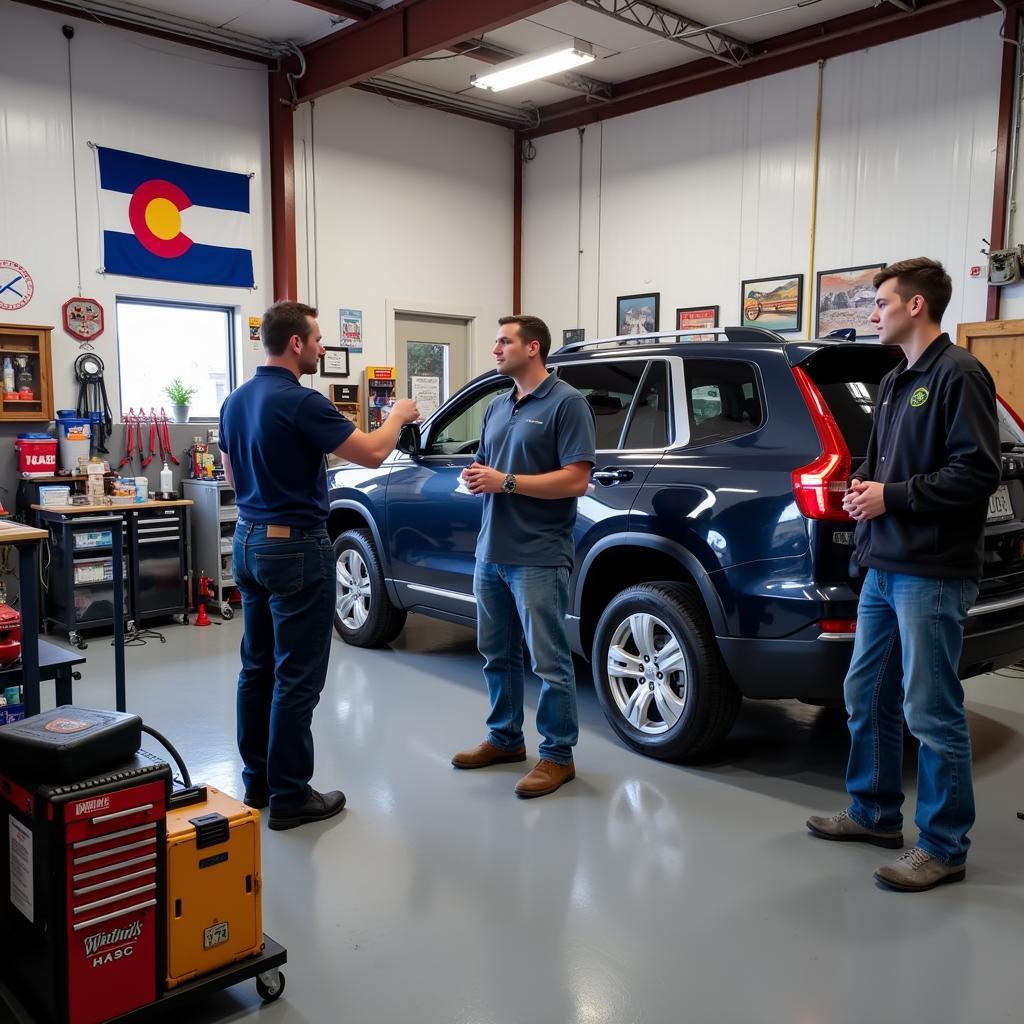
480	108
356	10
832	38
282	189
674	27
491	53
411	29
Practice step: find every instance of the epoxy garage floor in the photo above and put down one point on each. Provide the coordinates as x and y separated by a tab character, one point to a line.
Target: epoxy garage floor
641	892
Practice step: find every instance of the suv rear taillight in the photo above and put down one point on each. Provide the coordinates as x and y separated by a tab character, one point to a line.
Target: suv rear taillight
820	485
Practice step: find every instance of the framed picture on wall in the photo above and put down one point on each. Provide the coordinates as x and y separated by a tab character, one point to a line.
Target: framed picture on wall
775	303
637	314
845	299
334	362
692	318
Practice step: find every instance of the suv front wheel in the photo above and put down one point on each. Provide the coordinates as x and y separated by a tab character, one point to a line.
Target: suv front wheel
658	673
363	614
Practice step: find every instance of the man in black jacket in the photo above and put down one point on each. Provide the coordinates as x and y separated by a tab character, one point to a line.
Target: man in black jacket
920	501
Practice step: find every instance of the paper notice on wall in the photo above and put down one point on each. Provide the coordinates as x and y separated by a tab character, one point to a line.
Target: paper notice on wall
351	326
426	393
22	891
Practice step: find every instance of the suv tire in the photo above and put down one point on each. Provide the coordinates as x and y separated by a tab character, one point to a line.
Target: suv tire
363	613
676	715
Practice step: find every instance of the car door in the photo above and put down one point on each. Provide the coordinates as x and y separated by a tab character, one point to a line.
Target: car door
432	518
631	401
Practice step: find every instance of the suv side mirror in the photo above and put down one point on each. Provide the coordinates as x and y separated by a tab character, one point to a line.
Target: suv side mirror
409	440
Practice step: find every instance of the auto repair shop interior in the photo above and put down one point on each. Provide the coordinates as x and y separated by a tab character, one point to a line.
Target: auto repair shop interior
746	165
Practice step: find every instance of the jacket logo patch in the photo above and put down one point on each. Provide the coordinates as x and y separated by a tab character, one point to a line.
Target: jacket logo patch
919	397
540	423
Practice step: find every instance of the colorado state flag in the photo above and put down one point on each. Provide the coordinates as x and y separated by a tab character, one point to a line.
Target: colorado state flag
174	222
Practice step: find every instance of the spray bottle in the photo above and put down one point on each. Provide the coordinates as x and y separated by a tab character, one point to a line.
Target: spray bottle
166	481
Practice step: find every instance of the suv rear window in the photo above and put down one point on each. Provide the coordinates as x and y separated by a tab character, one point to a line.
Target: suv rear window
848	377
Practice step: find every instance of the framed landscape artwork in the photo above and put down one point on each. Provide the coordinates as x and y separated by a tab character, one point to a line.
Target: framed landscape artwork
845	299
775	303
637	314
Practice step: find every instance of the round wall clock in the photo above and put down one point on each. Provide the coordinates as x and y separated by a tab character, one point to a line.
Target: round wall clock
16	285
83	318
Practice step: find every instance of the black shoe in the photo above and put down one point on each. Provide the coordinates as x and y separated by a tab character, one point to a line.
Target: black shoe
258	798
318	807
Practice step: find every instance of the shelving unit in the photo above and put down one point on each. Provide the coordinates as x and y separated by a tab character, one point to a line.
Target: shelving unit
214	514
32	343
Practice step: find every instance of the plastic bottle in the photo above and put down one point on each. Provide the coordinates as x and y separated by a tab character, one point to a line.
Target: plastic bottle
166	480
8	374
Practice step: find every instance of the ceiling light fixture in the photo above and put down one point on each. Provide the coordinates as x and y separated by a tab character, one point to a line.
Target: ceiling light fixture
532	66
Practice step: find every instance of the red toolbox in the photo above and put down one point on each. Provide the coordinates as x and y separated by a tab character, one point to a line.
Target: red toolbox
84	928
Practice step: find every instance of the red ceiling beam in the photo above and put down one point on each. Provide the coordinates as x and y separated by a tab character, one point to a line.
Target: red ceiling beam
1004	136
282	189
355	10
412	29
857	31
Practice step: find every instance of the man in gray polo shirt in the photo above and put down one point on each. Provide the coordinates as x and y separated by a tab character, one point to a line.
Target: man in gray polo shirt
534	460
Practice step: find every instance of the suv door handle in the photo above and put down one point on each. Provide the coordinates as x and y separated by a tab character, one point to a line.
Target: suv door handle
612	476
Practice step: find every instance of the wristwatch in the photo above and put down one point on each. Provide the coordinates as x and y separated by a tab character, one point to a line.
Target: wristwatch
509	484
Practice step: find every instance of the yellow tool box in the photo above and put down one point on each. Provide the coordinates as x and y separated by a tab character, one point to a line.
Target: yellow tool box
214	915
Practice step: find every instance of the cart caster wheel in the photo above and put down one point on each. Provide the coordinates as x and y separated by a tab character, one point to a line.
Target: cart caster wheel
183	619
270	985
226	611
75	639
76	676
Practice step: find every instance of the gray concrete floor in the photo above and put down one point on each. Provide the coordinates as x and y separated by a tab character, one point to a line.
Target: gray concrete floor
641	892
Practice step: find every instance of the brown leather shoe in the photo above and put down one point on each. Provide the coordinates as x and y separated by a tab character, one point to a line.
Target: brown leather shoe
487	754
545	778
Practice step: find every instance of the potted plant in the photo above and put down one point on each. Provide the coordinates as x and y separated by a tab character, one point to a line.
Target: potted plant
180	396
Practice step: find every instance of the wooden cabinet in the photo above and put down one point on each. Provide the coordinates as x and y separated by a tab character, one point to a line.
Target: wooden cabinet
27	346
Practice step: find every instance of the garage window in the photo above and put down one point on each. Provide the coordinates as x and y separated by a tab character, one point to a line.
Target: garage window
723	399
158	341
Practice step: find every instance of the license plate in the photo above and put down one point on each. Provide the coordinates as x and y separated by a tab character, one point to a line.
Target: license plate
215	935
999	506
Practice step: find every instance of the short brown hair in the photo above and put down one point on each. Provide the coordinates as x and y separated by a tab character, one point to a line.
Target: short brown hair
920	276
281	321
531	328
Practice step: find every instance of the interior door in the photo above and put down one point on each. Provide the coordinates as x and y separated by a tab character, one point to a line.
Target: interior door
999	345
432	358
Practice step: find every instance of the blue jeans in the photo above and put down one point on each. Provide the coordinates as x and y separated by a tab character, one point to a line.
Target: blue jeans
531	600
910	632
287	587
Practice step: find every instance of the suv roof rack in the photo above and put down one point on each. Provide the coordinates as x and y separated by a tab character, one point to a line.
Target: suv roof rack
745	335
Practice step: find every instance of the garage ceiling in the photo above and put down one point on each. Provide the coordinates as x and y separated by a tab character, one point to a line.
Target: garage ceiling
632	39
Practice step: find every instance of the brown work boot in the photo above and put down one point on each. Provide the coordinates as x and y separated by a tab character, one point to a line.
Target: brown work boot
487	754
545	777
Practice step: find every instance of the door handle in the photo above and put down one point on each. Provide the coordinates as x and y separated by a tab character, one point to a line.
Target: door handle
612	476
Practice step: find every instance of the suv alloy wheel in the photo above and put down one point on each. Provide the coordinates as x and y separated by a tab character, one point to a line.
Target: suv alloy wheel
363	614
658	674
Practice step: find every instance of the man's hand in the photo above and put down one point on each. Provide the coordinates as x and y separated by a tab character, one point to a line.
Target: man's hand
482	479
864	500
405	410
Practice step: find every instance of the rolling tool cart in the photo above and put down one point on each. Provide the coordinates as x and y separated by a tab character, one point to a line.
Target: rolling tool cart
123	893
214	514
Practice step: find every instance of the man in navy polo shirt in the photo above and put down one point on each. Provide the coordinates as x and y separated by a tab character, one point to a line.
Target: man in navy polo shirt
536	451
274	434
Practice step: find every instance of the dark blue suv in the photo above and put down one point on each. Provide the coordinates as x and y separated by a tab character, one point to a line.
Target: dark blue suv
712	541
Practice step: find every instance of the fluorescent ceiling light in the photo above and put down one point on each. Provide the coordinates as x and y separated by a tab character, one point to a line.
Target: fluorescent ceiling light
532	66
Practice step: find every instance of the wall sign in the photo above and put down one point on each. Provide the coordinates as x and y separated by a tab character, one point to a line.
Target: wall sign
334	362
83	319
16	285
351	325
